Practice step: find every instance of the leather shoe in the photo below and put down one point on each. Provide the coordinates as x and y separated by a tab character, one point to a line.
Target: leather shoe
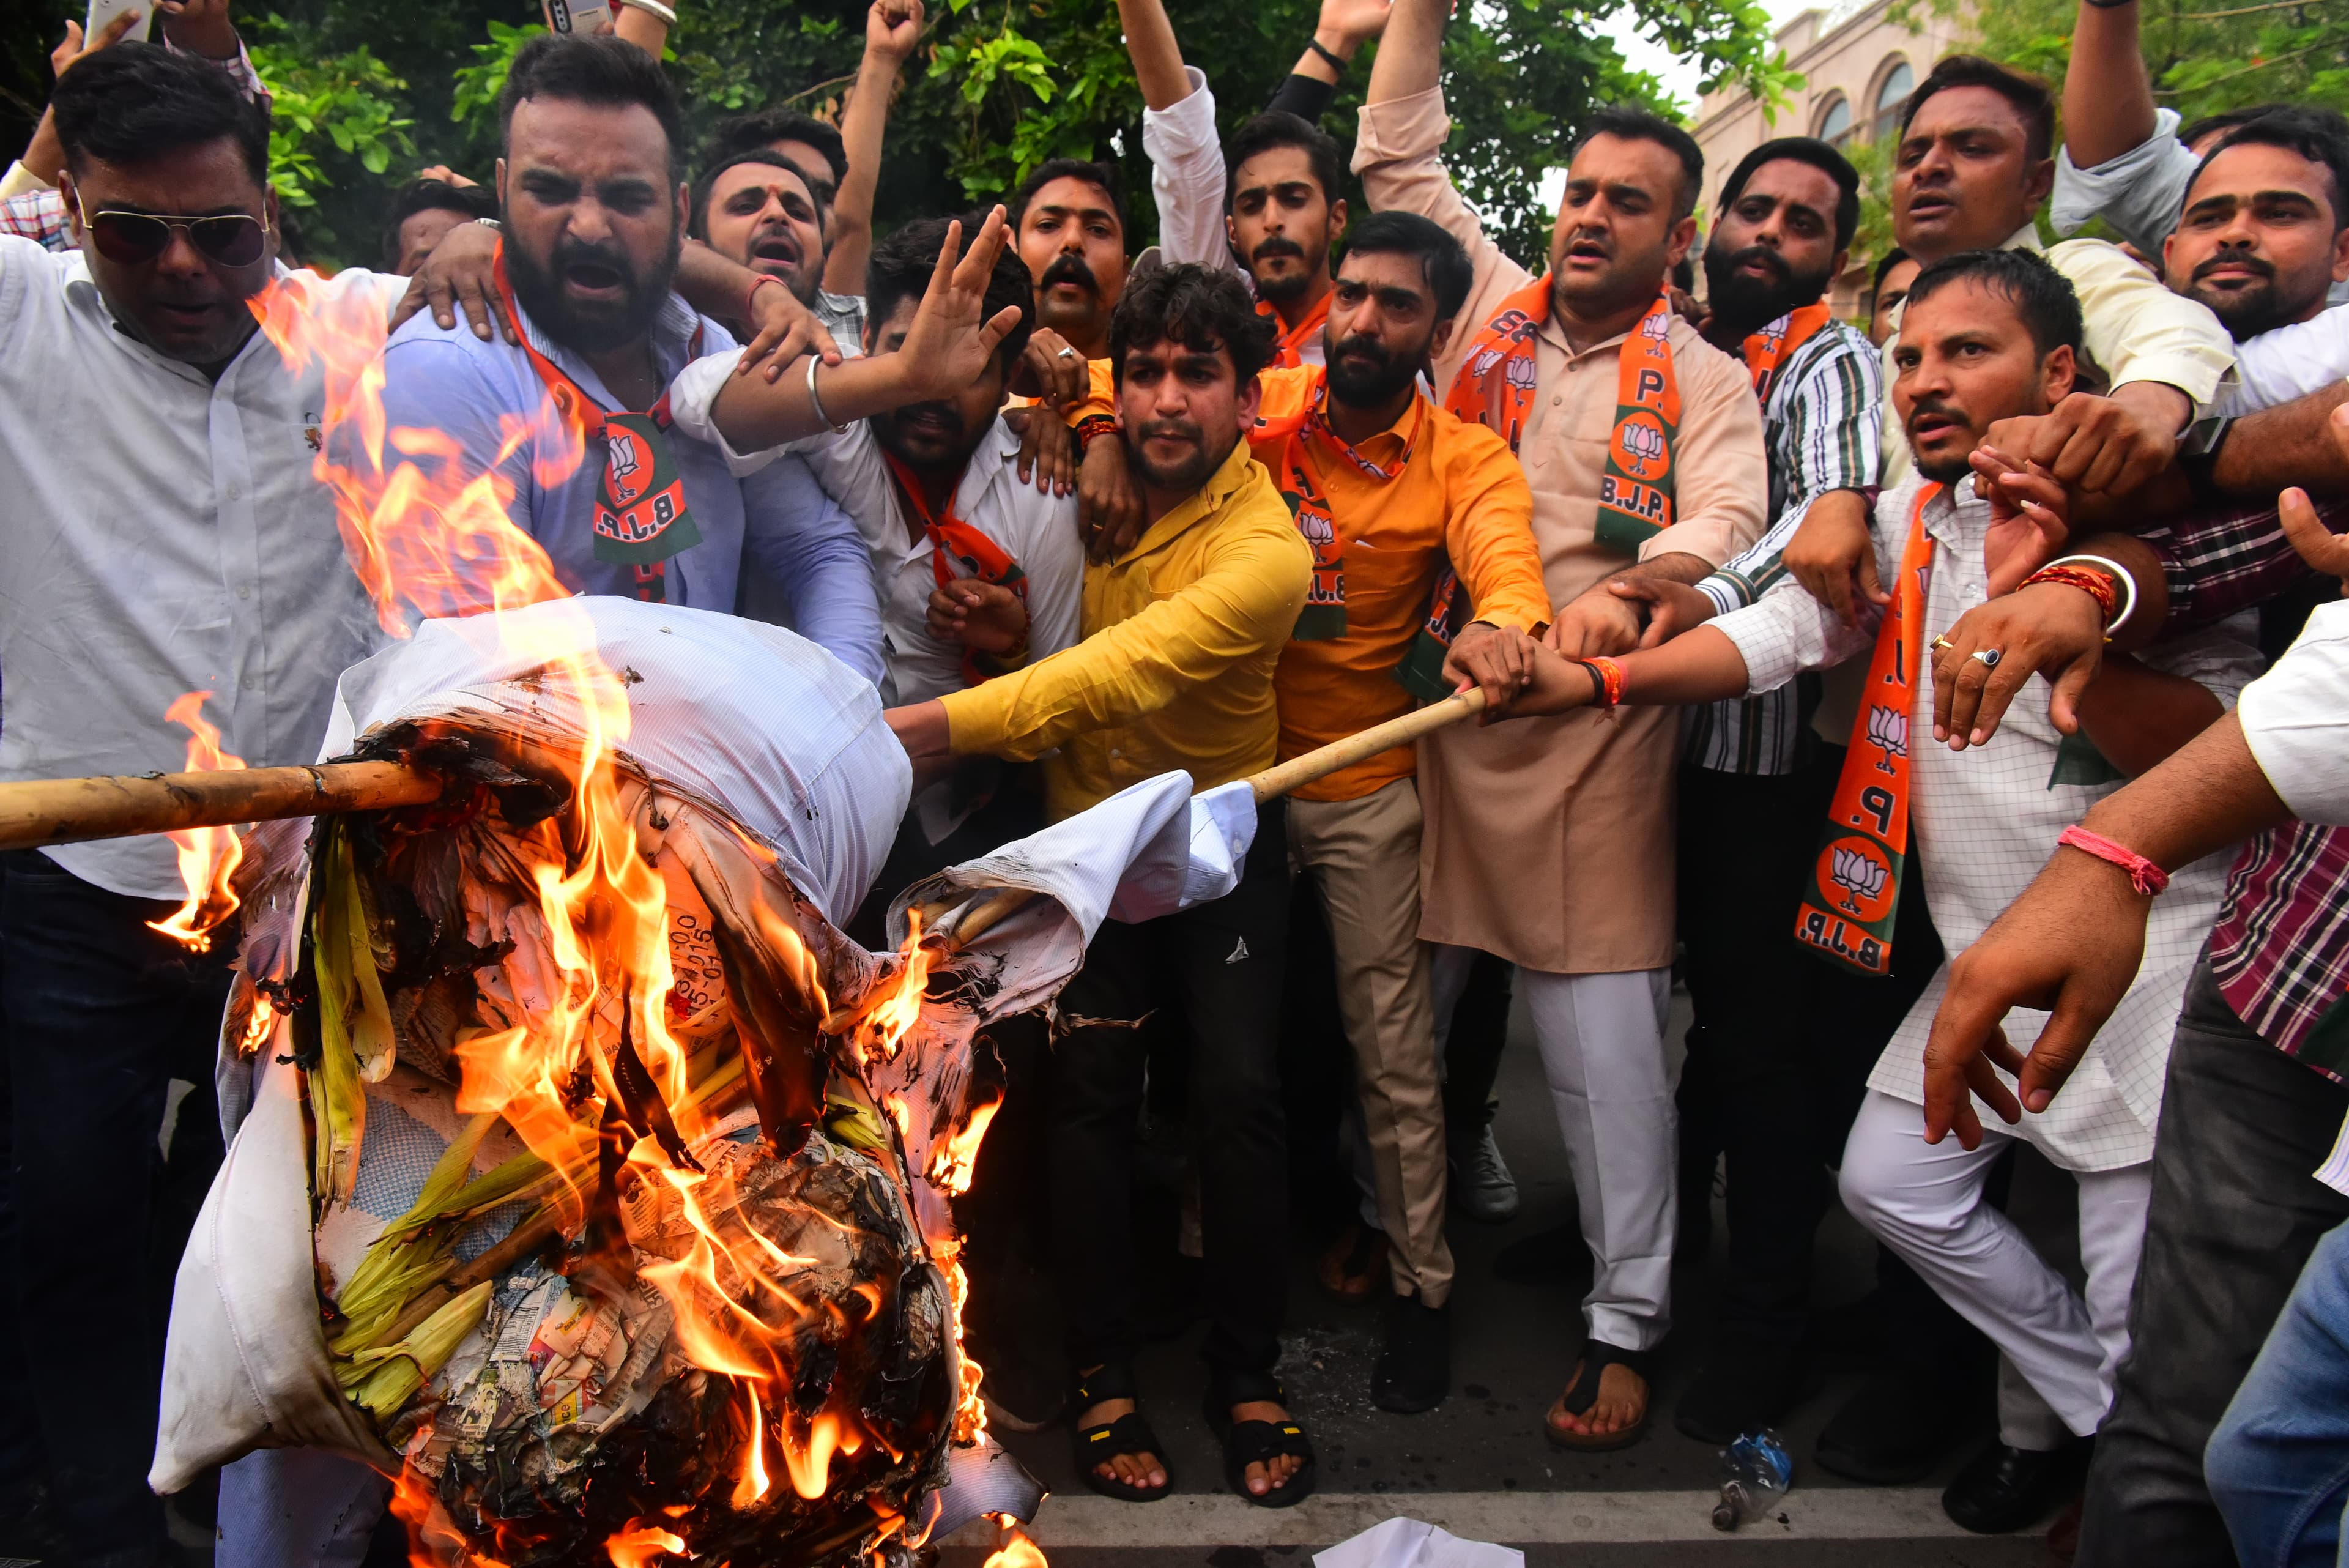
2003	1489
1414	1366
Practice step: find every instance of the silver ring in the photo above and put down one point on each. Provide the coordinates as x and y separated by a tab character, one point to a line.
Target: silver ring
1987	656
1068	353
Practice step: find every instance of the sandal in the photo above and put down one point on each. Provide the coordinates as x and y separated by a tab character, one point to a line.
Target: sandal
1129	1434
1583	1393
1249	1443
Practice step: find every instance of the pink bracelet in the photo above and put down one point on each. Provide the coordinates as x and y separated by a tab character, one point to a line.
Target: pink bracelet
2144	875
751	296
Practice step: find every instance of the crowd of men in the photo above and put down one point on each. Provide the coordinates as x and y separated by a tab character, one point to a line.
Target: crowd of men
1085	518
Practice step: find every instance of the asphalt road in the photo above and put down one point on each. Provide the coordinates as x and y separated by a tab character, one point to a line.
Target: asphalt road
1479	1465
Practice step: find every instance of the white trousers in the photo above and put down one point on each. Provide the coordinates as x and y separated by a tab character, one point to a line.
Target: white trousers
1925	1202
1603	1047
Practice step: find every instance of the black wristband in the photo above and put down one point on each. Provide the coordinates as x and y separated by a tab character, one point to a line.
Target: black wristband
1336	62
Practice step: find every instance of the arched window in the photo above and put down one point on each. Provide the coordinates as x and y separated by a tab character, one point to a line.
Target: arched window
1899	83
1834	125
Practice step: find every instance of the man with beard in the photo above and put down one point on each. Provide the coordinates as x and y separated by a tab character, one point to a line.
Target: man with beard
1396	495
2263	237
1069	222
977	573
594	219
1269	204
1643	446
1753	787
1986	336
1183	634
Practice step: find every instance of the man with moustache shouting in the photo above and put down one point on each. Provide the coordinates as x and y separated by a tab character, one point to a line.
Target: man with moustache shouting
1550	842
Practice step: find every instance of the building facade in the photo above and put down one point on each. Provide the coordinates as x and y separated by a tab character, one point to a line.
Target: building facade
1858	65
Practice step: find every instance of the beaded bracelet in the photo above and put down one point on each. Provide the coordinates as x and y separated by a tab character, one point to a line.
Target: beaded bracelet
1092	427
1606	680
2144	875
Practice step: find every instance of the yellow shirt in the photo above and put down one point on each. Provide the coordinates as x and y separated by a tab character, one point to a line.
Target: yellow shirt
1461	495
1182	635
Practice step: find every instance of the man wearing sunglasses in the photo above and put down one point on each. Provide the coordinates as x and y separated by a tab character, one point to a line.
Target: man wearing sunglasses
164	537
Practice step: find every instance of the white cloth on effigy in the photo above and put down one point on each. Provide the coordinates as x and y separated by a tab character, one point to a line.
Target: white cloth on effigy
789	743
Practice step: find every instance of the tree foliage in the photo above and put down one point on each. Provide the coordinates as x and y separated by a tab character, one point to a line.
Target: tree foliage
368	93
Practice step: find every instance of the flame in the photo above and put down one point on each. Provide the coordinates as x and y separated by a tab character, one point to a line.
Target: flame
427	536
208	857
642	1545
1016	1551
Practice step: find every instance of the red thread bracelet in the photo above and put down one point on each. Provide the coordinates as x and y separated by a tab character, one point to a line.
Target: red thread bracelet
2095	585
751	298
1610	681
2144	875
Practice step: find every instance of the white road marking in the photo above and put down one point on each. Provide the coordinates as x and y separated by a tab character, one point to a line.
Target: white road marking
1515	1518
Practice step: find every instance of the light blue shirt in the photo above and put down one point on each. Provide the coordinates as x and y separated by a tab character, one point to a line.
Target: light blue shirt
779	521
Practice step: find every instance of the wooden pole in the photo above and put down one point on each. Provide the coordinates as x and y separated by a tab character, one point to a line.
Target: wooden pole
1295	774
68	811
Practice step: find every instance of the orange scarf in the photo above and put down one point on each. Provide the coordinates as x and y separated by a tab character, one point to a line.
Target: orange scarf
1854	891
1289	350
957	550
1324	615
641	519
1497	387
1767	351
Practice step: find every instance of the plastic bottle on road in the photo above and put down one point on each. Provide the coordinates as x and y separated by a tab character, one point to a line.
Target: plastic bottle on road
1755	1471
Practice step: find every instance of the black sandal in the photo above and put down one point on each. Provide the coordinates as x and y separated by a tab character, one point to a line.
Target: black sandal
1129	1434
1577	1399
1249	1443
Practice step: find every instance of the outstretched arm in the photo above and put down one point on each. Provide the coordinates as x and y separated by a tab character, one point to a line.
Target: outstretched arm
947	348
1157	58
893	28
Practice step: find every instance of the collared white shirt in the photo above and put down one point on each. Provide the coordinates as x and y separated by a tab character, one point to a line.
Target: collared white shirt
1986	819
2288	362
2295	720
1036	528
164	535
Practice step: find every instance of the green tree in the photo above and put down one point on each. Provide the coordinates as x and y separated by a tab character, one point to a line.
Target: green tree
368	93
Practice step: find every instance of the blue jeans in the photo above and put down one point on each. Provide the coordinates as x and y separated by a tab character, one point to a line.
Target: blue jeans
2278	1465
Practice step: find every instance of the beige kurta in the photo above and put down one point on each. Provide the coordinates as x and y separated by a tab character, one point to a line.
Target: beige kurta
1549	841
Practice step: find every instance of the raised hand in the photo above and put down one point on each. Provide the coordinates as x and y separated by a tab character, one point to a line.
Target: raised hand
893	28
2030	517
949	344
62	57
2323	550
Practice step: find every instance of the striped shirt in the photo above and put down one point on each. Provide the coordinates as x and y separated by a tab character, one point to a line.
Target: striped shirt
1824	425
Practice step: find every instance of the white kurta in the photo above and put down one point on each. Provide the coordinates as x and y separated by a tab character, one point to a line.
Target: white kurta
1986	819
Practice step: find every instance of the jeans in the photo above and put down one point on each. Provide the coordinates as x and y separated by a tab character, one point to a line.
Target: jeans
99	1014
1218	966
2279	1463
2233	1217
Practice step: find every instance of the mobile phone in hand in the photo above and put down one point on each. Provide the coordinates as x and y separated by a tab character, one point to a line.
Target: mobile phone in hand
584	18
102	11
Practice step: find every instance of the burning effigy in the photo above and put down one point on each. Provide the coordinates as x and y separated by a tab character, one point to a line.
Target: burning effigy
588	1180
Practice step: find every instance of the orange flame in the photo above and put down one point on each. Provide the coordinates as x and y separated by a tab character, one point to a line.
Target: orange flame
427	536
208	857
643	1545
1016	1551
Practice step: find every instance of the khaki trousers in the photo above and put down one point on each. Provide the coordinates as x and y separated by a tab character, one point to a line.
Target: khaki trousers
1363	857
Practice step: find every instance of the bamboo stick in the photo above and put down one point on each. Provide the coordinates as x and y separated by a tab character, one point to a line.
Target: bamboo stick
1298	771
68	811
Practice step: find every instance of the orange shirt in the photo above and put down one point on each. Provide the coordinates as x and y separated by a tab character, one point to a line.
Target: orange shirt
1460	496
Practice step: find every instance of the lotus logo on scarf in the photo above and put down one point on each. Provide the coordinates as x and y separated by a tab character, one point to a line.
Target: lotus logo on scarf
1887	730
623	466
1860	874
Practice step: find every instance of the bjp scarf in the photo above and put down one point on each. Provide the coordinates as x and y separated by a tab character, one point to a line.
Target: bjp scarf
1854	887
1496	386
1324	615
641	518
959	550
1289	349
1767	351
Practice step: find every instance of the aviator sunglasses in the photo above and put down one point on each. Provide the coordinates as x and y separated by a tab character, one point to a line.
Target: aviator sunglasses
232	239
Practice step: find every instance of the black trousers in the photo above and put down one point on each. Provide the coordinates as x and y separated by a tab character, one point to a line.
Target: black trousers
1781	1047
99	1014
1471	1050
1217	967
2234	1216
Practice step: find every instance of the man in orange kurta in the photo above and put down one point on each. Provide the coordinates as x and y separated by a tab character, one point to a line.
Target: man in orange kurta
1550	842
1420	524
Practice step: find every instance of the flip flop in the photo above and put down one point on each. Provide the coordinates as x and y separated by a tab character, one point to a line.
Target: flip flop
1583	1393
